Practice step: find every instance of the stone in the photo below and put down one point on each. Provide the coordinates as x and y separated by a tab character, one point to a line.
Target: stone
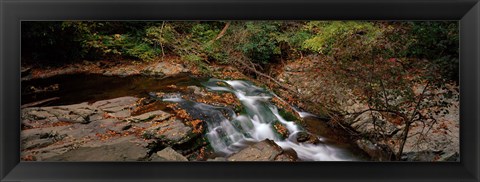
266	150
197	90
168	154
304	137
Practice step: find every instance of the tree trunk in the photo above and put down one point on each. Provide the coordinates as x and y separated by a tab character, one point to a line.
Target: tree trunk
404	140
220	35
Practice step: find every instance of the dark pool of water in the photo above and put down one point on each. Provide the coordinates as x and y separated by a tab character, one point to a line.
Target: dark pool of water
77	88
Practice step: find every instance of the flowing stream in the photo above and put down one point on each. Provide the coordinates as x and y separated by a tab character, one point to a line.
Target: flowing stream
229	132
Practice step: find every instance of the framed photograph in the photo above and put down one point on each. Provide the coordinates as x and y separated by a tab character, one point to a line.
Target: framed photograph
239	90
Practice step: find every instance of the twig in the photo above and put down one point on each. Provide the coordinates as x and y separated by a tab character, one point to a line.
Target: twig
161	44
39	102
220	35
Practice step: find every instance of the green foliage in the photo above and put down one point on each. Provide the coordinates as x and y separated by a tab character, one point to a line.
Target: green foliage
261	44
258	42
330	35
99	40
142	51
437	41
204	32
160	35
434	39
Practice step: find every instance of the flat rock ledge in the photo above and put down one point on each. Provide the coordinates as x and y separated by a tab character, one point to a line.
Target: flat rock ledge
101	131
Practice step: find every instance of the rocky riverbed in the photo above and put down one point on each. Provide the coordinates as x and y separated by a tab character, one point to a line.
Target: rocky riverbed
107	130
142	128
121	122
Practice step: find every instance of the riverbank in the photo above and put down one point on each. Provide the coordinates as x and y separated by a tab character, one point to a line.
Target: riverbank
435	139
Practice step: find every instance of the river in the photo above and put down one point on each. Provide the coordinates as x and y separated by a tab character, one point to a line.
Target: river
228	131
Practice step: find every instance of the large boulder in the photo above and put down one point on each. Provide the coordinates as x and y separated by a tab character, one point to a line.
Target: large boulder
266	150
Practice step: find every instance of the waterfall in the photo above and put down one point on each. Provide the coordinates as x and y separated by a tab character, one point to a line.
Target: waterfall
228	132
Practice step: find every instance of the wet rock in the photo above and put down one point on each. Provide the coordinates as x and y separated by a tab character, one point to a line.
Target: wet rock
304	137
124	151
155	115
266	150
168	154
170	132
197	90
375	151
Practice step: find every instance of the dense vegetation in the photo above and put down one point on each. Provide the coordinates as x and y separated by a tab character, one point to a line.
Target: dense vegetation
394	68
258	42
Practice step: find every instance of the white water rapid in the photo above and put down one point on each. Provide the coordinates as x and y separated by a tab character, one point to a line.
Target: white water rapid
228	132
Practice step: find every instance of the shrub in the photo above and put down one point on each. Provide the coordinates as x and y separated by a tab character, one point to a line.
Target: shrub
260	44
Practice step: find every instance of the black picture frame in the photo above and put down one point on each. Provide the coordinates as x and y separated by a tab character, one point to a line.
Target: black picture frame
14	11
